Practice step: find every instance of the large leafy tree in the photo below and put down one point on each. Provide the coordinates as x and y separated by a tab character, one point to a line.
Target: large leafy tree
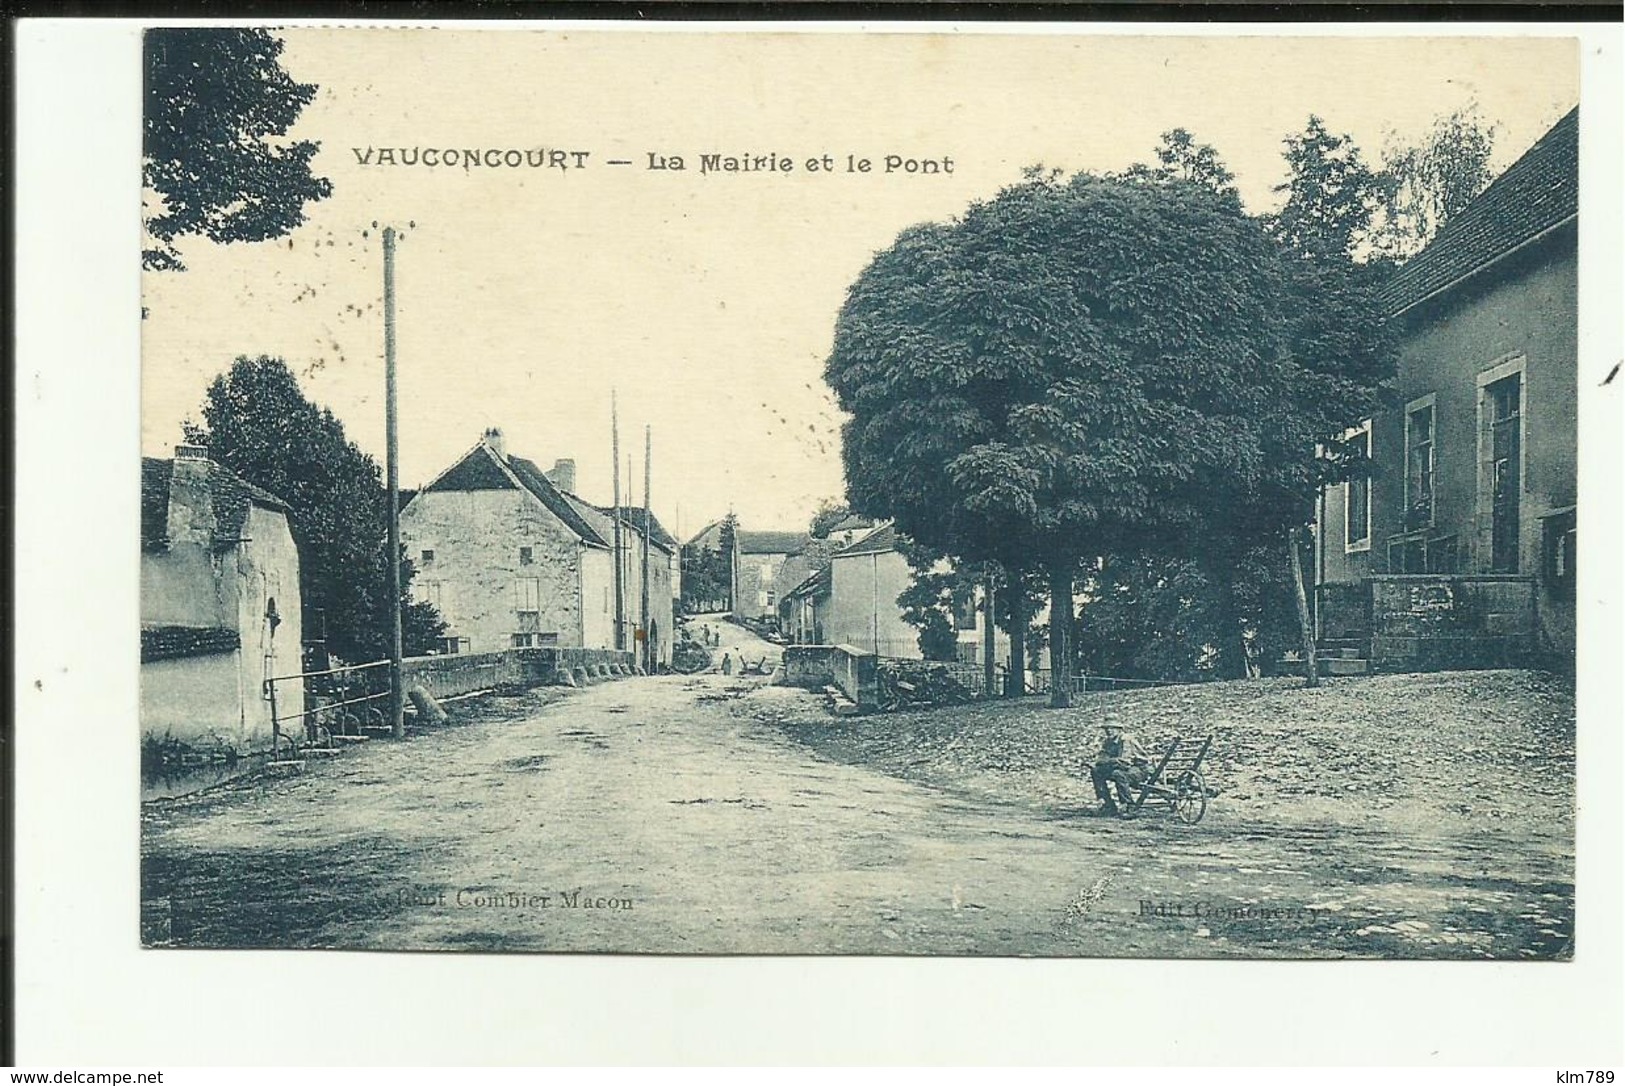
258	422
1091	366
218	107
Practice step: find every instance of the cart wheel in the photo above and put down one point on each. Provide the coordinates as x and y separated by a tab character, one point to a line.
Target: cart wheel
374	716
1190	802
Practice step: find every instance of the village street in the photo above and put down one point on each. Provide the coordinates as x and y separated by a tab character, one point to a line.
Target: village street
671	814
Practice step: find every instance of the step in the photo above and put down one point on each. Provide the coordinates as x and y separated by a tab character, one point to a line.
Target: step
1338	665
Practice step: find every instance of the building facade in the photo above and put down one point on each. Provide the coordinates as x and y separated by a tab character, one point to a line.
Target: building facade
1472	489
220	608
512	557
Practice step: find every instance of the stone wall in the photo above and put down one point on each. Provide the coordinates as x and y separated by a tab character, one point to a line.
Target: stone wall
465	673
811	667
1430	623
853	672
932	673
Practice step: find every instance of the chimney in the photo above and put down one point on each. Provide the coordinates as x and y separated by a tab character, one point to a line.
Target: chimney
563	475
493	440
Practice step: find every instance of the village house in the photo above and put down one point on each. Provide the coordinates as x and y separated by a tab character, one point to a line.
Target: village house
853	601
513	558
1459	549
758	560
220	612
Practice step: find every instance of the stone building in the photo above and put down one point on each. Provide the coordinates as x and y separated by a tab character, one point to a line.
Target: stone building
1459	549
512	557
220	609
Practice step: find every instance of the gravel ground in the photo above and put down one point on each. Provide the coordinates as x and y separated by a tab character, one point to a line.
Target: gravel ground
1419	815
717	814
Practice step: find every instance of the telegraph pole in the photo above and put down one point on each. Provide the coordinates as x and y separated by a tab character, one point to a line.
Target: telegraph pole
648	647
397	703
615	470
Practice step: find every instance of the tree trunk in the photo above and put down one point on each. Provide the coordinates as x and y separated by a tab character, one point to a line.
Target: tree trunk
1221	575
989	638
1060	636
1017	680
1311	664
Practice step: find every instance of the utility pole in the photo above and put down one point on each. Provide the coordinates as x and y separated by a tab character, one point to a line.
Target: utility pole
397	702
648	648
615	470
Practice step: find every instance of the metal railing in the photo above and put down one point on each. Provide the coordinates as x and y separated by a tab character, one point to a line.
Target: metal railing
1039	682
340	701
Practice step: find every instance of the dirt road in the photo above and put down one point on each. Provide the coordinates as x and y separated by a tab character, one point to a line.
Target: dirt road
665	815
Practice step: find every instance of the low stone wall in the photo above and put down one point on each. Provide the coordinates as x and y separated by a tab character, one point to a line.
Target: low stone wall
465	673
1429	622
811	667
853	673
932	675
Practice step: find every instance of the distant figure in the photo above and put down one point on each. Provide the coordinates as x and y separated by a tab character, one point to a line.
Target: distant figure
1118	763
727	664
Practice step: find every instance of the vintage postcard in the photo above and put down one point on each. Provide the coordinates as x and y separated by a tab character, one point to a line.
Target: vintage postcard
807	492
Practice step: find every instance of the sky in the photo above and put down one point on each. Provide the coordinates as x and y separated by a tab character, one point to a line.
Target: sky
707	300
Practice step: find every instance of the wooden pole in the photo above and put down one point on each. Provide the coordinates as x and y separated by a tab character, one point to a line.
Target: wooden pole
397	704
1060	636
1311	664
615	470
643	610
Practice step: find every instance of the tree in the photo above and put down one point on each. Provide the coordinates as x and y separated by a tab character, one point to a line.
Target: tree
706	578
824	519
1180	159
218	109
258	423
1430	181
1331	194
1091	366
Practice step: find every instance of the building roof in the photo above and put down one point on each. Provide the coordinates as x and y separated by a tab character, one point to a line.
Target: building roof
772	542
1538	192
816	583
633	515
230	494
879	541
179	642
852	522
482	468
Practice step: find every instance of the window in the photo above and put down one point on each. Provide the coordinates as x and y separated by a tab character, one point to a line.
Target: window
426	559
1503	415
1419	463
1357	493
451	646
430	592
532	639
526	556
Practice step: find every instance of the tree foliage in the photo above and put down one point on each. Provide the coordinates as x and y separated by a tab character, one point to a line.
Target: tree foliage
1180	159
707	578
218	107
1096	366
257	422
829	513
1332	194
1428	182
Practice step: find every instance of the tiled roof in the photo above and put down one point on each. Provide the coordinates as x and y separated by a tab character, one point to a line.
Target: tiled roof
879	541
1535	194
633	515
585	520
816	584
178	642
230	495
772	542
